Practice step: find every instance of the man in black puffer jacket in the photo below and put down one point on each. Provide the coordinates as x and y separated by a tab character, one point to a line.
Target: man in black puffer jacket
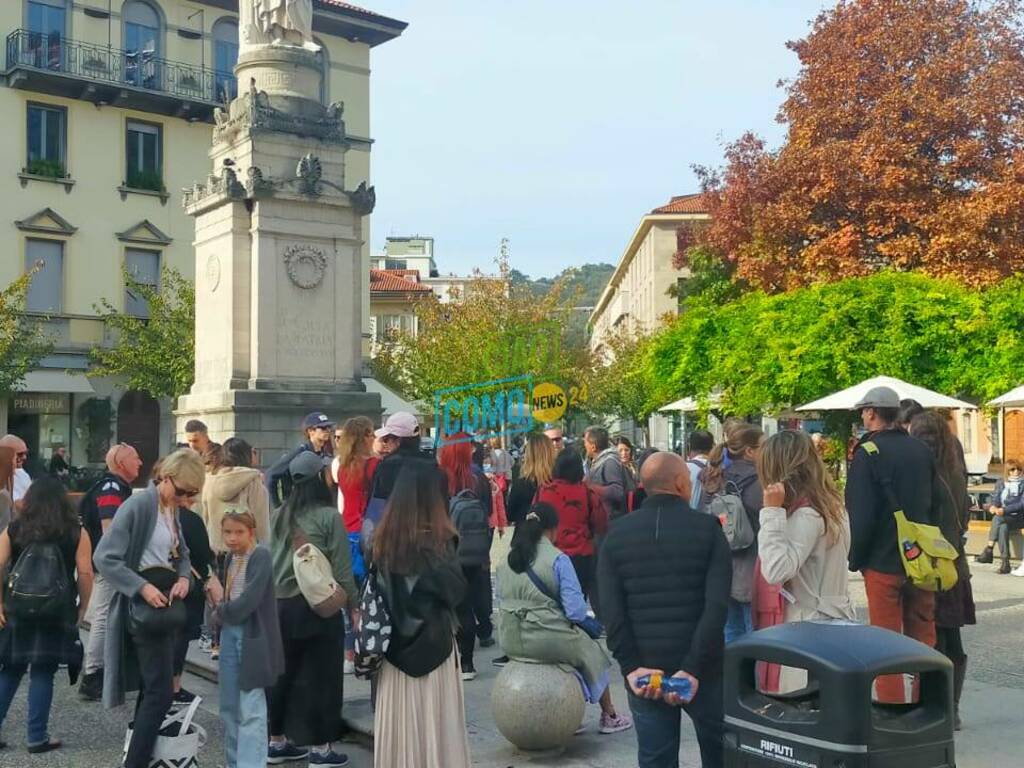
664	575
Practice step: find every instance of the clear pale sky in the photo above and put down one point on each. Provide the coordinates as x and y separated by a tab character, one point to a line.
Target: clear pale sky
559	123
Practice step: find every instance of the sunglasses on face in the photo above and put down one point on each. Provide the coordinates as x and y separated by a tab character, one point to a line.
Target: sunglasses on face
182	493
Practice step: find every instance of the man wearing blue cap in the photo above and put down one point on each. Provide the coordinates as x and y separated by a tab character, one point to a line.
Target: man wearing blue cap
318	428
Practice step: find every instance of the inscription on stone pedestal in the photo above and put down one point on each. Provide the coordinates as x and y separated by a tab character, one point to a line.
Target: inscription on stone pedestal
305	344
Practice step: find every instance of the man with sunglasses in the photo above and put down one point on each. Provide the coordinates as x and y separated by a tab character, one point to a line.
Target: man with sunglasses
318	429
22	479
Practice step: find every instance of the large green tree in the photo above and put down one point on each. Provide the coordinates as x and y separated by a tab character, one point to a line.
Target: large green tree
22	339
155	354
766	352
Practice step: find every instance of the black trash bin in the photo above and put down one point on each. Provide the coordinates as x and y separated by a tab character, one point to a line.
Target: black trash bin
832	722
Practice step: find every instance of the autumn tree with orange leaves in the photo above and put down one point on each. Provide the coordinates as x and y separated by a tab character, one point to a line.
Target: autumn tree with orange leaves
905	150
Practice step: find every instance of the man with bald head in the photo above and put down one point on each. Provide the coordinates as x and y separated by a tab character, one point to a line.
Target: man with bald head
664	576
97	510
22	479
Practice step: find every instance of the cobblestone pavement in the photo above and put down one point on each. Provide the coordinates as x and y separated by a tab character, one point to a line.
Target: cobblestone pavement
993	703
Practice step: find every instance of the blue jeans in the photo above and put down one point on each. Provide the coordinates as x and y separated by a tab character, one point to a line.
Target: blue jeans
40	695
657	727
244	712
739	621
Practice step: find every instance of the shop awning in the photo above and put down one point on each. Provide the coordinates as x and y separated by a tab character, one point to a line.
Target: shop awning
391	401
1013	398
52	380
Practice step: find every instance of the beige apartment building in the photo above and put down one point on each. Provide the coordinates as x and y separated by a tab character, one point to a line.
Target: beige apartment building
637	295
108	110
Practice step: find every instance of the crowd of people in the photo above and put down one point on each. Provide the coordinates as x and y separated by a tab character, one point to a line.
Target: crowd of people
650	559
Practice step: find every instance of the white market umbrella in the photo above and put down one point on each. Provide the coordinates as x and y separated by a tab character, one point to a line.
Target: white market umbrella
1014	397
690	404
846	399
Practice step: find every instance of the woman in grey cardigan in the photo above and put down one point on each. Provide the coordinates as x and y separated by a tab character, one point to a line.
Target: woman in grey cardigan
145	538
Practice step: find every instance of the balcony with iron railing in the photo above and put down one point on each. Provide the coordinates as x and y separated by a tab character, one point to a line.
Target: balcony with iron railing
111	76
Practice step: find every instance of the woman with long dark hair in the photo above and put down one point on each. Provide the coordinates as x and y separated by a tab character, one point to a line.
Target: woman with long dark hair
305	704
32	643
542	608
470	505
420	719
954	608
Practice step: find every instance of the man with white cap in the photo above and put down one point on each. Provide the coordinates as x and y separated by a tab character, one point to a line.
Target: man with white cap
400	437
887	458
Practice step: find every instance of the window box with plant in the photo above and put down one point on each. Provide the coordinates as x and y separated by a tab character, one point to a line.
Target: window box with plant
50	169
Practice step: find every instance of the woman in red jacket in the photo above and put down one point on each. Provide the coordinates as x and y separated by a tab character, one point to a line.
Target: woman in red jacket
581	516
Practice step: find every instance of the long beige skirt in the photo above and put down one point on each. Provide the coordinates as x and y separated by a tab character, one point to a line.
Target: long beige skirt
420	721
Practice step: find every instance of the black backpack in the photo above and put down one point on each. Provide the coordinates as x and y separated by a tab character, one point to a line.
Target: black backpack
471	522
38	586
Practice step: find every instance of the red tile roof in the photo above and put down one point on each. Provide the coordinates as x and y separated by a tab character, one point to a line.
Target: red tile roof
695	203
396	281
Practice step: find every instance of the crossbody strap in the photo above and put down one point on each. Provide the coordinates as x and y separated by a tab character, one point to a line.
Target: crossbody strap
542	587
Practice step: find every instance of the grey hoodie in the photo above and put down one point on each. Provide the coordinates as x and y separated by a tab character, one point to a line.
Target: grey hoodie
609	476
235	488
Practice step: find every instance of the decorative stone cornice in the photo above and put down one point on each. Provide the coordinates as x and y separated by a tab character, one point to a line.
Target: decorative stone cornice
253	113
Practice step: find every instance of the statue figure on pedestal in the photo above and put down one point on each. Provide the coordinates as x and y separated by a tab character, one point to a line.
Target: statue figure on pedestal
277	22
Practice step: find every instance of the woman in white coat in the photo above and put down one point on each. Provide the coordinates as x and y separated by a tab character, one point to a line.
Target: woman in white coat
804	540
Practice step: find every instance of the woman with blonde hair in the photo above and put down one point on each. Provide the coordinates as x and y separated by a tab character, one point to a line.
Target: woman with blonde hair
538	463
803	545
352	469
805	533
146	559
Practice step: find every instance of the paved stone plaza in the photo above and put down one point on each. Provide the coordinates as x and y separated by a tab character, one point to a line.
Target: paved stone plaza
992	706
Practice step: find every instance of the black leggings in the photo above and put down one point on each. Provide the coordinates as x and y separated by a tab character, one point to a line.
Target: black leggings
156	662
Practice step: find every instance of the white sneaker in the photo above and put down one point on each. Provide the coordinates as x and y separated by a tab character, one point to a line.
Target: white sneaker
350	667
468	675
1019	571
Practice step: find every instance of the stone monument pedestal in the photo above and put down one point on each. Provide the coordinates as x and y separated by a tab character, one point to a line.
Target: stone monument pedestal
278	262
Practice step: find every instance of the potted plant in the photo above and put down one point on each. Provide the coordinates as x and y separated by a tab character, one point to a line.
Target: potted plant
52	169
149	180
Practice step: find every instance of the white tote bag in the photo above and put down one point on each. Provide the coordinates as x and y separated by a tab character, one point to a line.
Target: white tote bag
181	751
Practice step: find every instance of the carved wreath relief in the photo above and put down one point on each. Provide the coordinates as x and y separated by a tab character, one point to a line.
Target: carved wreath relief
305	265
213	272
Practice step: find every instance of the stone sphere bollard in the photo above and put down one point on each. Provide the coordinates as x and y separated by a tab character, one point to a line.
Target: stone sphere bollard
537	706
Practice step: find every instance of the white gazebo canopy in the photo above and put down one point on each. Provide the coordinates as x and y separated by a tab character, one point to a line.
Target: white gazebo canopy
846	399
1015	397
689	404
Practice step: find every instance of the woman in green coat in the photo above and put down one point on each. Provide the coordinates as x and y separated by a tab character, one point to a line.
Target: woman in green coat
542	608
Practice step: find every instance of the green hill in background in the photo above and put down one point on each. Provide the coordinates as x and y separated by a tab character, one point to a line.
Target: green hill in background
590	279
